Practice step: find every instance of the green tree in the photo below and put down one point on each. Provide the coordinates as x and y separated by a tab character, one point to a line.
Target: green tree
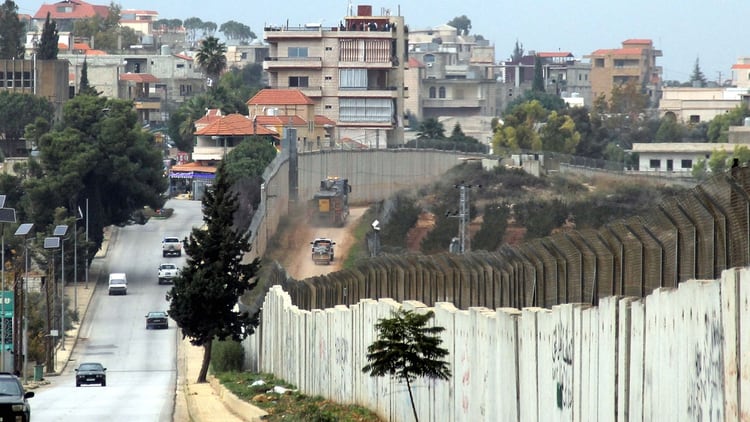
234	30
431	129
101	153
249	159
211	57
11	32
192	26
559	134
18	110
84	88
106	33
718	127
538	83
519	130
209	28
670	130
205	292
494	224
462	24
518	52
48	45
697	78
407	349
243	83
719	161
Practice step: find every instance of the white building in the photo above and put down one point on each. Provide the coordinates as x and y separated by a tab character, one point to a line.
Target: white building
676	156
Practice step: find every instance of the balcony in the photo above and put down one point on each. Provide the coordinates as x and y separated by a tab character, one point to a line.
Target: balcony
272	34
448	103
147	103
279	63
374	92
206	153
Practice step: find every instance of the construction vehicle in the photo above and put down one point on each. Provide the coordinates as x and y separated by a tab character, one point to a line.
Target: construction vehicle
322	250
330	205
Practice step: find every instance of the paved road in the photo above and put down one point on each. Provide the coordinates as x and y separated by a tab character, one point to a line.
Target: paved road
141	364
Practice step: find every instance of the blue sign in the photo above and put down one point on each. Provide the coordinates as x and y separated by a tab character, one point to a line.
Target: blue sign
7	304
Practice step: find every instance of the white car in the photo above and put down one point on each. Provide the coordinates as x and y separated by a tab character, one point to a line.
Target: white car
118	284
167	273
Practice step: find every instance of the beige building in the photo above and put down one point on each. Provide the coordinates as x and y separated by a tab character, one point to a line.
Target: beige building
353	73
634	62
457	74
695	105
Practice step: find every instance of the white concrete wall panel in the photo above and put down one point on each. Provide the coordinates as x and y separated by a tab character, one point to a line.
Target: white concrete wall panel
504	392
443	392
636	374
744	343
607	370
527	363
731	323
678	354
462	376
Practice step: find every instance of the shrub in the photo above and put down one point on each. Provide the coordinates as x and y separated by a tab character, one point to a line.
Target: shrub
227	355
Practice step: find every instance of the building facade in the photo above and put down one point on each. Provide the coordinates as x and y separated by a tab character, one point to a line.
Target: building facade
634	62
695	105
353	73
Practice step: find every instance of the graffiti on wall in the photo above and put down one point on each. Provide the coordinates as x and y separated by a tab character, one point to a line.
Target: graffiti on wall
562	365
705	394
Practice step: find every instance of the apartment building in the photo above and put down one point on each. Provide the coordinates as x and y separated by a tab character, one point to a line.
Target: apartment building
353	73
695	105
635	62
456	74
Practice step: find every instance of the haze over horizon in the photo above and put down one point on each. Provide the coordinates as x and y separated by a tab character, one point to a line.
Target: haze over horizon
683	31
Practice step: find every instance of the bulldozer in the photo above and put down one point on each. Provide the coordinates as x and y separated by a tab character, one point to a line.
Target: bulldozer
330	204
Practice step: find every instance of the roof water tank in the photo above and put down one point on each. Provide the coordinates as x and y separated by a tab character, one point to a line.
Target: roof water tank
364	10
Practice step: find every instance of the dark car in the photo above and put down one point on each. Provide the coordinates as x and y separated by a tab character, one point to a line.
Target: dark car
13	403
91	373
157	319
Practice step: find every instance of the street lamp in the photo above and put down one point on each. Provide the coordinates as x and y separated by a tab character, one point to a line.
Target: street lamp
52	242
7	215
60	231
23	230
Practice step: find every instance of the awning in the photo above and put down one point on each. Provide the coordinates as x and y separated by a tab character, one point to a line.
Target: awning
190	175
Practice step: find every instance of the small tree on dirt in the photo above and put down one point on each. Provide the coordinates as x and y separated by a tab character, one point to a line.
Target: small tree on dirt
205	292
407	349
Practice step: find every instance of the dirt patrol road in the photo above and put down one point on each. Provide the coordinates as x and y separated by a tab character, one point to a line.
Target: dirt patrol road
297	258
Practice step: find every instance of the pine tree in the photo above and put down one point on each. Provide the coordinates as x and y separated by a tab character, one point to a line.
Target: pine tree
538	84
11	32
517	53
48	45
407	349
205	292
698	79
84	87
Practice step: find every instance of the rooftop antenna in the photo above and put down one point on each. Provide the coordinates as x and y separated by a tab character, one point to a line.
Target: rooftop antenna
350	9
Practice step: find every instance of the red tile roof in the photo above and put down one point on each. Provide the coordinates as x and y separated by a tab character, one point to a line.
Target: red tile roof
139	78
618	51
741	66
323	120
210	116
415	63
637	41
281	120
234	125
77	10
184	57
280	97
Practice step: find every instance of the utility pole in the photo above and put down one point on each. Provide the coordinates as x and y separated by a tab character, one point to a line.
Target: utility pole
464	217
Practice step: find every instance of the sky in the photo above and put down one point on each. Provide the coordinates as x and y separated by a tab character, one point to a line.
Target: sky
713	32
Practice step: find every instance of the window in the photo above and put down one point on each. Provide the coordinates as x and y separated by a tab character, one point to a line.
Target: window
429	58
686	164
695	118
243	56
378	110
654	164
328	106
329	48
298	81
353	78
186	89
432	92
598	62
297	52
441	92
329	78
180	65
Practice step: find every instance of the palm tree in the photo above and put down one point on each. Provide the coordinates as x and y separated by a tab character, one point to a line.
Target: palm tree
212	59
431	129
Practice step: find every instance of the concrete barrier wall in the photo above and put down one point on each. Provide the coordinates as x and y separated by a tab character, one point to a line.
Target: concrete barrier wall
678	354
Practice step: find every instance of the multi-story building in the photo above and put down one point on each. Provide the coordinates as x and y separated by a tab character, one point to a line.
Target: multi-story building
457	74
65	13
353	73
155	82
695	105
563	75
617	67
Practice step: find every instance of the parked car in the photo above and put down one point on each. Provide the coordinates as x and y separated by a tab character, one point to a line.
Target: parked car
118	284
167	273
157	319
91	373
13	399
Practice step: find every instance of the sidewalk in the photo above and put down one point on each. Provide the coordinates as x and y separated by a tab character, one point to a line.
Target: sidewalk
207	402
